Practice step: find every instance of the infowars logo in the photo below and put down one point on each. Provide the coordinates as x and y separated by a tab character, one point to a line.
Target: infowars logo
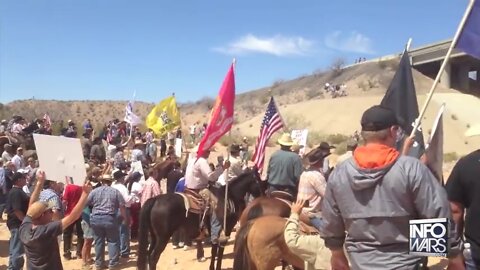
429	237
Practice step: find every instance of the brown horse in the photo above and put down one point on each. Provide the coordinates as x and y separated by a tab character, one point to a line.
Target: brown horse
162	169
260	245
264	206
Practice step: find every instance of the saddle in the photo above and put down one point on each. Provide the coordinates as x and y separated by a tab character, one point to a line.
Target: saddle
196	203
306	227
282	196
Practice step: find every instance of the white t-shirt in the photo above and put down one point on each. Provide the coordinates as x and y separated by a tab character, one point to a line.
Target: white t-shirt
124	191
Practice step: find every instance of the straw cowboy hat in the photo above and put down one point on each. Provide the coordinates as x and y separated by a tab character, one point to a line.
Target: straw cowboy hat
139	142
38	208
286	140
296	147
106	177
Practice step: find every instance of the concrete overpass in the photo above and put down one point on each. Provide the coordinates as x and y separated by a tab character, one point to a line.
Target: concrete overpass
462	72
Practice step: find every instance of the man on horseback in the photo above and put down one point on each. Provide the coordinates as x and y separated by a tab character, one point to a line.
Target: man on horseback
312	188
197	178
284	168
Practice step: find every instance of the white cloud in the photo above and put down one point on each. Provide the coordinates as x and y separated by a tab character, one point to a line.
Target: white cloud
277	45
352	42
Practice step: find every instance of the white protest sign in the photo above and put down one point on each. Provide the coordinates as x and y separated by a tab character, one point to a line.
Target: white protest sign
178	147
299	136
61	158
137	167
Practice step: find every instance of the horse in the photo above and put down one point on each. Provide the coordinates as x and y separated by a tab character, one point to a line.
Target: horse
264	206
161	216
162	169
260	245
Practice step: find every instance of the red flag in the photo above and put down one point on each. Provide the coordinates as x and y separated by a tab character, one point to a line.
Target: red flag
221	120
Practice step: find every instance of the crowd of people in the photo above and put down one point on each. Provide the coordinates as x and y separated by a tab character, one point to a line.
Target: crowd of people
360	202
336	90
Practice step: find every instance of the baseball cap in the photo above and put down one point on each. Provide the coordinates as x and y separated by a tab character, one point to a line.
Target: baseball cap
378	118
38	208
18	175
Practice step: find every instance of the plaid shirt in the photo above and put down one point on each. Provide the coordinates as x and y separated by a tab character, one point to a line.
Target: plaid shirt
49	195
312	188
150	189
105	200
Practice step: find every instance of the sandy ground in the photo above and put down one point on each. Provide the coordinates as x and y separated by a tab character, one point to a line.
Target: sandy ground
171	259
342	115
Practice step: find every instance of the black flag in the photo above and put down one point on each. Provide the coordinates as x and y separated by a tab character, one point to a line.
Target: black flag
402	99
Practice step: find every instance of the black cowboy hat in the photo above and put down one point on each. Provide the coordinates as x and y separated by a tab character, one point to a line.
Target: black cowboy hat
325	146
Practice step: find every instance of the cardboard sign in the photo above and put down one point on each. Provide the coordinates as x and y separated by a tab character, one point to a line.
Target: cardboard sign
61	158
299	136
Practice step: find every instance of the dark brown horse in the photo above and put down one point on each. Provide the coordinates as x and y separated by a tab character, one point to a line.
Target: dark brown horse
161	216
162	169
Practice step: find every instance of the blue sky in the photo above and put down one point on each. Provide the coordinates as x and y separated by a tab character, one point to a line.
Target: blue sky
92	49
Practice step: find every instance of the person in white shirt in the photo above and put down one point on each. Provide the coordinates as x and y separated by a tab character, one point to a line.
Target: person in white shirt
7	154
193	130
137	153
198	176
18	159
124	239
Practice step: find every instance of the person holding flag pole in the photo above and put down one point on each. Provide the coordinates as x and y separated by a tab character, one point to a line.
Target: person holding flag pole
220	123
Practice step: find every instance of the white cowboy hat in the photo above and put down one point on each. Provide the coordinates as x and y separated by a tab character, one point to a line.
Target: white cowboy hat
286	140
139	142
473	131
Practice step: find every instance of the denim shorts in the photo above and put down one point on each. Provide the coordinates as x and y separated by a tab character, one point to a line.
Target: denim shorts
87	230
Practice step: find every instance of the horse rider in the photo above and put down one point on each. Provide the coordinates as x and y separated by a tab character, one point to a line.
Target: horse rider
197	177
284	168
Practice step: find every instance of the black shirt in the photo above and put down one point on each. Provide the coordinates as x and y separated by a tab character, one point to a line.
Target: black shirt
16	200
41	245
172	180
463	186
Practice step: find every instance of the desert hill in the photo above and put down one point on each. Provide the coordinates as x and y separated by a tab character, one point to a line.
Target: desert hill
302	102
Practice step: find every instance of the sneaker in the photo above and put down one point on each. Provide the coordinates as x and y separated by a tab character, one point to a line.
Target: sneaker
202	259
186	247
175	247
181	244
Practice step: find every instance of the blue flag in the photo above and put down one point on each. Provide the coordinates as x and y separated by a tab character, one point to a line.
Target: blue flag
469	40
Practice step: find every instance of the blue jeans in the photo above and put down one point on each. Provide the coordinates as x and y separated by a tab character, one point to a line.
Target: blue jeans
317	222
15	251
470	264
105	227
125	235
215	228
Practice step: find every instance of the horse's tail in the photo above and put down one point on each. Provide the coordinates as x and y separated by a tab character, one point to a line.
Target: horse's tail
242	260
143	230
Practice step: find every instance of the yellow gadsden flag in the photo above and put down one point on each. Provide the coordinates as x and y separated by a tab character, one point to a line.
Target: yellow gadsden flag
164	117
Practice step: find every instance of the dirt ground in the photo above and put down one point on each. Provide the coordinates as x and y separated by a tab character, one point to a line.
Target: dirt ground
177	259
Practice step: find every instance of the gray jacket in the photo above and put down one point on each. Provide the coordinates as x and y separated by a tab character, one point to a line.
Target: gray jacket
369	210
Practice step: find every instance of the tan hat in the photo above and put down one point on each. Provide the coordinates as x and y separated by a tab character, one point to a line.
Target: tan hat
139	142
38	208
106	177
285	140
296	147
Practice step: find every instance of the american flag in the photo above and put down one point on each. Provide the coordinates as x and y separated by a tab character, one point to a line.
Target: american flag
272	122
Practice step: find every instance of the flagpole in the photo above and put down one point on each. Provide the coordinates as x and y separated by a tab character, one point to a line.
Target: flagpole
442	67
228	169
